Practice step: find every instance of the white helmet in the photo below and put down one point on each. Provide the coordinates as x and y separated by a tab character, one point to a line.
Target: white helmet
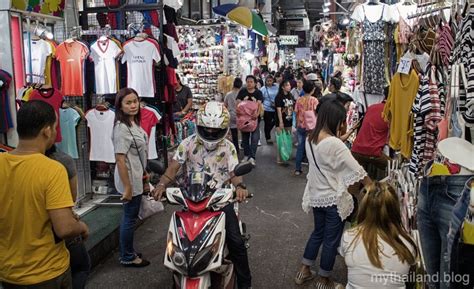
212	124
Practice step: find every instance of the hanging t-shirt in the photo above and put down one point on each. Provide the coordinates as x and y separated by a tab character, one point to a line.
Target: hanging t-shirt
286	103
148	120
104	55
101	125
71	56
55	98
36	64
152	152
139	56
69	120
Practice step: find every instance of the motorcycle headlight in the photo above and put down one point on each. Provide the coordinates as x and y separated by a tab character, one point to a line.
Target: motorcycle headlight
205	256
176	255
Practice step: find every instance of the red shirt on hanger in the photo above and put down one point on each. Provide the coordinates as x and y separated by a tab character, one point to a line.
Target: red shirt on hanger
55	98
71	56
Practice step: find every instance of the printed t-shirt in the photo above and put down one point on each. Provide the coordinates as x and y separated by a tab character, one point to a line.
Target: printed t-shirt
104	55
139	56
69	118
304	104
55	98
71	56
30	185
124	139
101	125
286	103
36	64
373	133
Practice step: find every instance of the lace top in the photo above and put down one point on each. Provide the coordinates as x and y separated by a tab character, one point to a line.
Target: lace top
339	170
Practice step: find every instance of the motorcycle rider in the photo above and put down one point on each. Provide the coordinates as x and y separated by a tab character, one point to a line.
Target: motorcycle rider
210	152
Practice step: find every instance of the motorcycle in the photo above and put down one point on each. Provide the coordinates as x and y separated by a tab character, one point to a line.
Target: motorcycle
196	252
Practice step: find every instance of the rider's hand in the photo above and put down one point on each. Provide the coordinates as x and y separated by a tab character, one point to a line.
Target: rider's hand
146	188
158	192
241	194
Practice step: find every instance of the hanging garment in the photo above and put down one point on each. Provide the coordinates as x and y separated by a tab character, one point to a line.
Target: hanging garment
55	98
36	62
104	55
71	56
69	118
101	125
374	54
5	115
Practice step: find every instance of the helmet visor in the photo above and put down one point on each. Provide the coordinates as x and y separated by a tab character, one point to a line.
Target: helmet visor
211	134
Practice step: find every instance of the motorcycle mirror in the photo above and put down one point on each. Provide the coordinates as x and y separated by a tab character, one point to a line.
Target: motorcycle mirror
156	167
242	169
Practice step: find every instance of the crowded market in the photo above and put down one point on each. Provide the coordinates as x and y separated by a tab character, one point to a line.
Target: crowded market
236	144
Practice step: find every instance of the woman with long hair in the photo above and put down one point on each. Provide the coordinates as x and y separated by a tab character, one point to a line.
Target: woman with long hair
378	251
130	145
332	169
284	104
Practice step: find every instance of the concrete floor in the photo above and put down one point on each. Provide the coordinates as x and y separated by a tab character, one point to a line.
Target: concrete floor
278	226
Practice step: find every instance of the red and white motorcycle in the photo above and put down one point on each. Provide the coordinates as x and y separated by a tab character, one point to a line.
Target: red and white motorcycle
196	250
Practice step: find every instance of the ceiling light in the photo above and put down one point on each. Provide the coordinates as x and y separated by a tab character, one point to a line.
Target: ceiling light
345	20
327	3
326	9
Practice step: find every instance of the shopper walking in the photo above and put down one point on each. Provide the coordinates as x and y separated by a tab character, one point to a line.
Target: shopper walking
230	102
35	206
269	92
304	105
130	145
332	169
284	104
250	139
184	99
78	255
297	92
379	251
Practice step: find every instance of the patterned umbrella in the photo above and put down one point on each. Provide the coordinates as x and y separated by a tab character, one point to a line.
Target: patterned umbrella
243	16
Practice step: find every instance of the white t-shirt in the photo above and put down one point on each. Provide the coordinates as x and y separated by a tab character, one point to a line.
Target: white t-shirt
400	10
372	12
362	274
152	152
101	125
40	50
104	55
140	56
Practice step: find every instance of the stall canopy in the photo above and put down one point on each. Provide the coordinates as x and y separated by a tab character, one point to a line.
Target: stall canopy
243	16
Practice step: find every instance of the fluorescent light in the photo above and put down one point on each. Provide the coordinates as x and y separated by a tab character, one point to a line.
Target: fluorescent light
327	3
326	10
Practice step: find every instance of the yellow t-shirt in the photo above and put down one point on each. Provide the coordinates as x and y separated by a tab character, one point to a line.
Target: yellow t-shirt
30	185
397	111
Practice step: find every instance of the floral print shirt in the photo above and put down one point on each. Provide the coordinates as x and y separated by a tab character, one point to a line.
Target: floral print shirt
196	158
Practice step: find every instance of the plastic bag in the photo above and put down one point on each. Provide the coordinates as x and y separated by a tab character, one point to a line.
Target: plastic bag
285	145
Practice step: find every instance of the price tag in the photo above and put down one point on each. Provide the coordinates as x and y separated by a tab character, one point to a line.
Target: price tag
405	63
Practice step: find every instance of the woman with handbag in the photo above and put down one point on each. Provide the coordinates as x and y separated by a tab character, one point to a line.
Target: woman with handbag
332	169
305	121
378	251
130	145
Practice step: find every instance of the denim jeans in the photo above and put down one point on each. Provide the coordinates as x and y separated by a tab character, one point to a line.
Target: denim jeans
236	247
127	229
80	263
328	229
436	201
269	123
250	142
301	150
235	139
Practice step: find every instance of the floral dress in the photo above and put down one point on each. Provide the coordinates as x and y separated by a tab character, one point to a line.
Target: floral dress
374	53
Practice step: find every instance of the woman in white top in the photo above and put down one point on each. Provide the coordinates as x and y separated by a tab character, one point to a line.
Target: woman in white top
378	251
332	169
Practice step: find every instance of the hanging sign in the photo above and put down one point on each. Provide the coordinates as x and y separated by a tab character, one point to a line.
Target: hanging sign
405	63
288	39
303	53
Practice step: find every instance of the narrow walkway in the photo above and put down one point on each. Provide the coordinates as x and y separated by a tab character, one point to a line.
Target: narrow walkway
278	227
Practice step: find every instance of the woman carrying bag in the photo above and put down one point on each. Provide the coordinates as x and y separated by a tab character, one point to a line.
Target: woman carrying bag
284	104
332	169
130	145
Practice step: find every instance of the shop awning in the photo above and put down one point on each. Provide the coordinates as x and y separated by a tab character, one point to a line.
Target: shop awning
244	16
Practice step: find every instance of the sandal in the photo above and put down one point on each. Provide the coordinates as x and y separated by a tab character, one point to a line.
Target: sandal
298	173
302	278
330	285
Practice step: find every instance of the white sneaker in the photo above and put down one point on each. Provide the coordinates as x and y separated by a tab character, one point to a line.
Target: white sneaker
259	143
253	162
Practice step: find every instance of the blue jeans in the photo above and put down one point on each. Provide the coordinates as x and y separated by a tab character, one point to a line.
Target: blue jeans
301	150
436	201
328	229
250	142
127	229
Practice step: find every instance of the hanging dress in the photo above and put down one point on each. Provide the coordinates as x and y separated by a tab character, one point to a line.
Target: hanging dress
374	54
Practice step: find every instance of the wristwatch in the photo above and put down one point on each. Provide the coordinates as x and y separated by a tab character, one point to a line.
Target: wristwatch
241	185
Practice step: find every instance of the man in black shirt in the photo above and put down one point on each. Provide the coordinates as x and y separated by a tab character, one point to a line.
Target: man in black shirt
250	139
184	99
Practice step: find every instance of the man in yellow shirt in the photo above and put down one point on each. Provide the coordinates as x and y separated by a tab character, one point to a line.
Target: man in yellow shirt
35	207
